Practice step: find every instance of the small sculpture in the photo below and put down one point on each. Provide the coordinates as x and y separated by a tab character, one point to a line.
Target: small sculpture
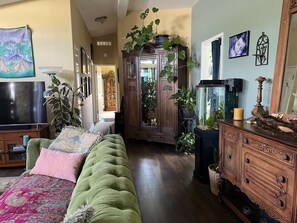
258	108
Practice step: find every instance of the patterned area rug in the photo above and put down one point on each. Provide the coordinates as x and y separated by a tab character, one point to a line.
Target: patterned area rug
6	182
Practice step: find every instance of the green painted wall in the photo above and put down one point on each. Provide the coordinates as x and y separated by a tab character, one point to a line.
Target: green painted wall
211	17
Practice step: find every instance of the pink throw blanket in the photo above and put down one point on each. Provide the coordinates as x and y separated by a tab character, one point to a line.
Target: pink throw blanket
36	198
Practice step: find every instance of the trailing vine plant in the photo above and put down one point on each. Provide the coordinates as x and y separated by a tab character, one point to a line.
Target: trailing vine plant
140	36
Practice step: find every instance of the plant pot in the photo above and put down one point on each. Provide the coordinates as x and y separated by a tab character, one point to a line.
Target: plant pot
148	48
160	40
213	179
187	113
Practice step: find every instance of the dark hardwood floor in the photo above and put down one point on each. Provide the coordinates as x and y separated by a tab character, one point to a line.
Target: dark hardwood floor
11	171
166	189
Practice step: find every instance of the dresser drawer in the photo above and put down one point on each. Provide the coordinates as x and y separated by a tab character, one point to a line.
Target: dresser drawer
274	150
268	183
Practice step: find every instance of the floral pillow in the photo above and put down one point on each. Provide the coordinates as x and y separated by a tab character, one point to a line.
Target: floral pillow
75	140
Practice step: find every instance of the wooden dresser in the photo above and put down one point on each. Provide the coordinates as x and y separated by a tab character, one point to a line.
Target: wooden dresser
262	166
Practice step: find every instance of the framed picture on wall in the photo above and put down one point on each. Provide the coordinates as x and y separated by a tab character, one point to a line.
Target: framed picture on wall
239	45
84	62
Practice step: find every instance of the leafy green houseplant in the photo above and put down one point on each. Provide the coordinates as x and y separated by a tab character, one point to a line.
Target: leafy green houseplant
186	100
139	36
149	100
168	70
61	97
186	143
144	36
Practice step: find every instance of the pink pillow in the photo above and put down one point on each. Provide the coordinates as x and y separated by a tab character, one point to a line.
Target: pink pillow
58	164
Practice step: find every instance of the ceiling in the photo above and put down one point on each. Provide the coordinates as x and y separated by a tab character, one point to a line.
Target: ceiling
114	9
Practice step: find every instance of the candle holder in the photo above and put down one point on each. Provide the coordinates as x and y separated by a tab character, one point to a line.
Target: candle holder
258	108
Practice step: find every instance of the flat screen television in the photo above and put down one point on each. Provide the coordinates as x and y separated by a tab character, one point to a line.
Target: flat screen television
21	104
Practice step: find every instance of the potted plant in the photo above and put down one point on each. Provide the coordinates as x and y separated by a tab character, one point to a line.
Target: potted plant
149	100
214	174
186	101
142	38
62	99
186	142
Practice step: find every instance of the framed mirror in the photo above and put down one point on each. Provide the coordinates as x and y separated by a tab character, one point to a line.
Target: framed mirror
284	88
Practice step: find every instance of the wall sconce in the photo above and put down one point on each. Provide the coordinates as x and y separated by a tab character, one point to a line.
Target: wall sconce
262	50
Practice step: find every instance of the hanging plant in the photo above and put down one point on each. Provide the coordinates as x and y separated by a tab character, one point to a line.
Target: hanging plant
168	70
139	36
144	37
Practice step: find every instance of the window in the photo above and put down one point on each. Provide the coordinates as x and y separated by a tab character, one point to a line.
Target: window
103	43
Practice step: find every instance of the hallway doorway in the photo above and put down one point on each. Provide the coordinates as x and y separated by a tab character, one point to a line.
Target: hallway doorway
107	96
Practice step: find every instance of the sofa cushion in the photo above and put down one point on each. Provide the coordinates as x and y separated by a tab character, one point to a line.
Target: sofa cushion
58	164
106	184
73	140
33	150
102	127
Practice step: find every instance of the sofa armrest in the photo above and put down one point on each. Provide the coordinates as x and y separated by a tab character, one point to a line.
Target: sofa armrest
33	150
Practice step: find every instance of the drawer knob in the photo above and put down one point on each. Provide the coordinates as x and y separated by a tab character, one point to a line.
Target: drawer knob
245	140
281	179
247	160
286	157
247	180
280	203
229	156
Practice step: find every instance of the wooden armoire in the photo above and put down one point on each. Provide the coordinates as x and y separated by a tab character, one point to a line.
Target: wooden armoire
110	103
149	114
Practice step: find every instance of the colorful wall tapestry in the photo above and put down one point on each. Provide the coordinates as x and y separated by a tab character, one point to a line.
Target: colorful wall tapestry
16	54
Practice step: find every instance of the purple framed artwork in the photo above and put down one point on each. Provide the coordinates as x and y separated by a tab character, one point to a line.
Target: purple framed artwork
239	45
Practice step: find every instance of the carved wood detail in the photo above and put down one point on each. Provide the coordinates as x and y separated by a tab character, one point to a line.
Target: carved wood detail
167	88
230	135
132	88
293	3
271	150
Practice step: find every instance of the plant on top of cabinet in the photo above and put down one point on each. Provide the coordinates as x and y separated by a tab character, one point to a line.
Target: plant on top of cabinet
139	36
143	38
168	70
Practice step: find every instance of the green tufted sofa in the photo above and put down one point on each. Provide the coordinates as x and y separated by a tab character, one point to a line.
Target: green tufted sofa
105	182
